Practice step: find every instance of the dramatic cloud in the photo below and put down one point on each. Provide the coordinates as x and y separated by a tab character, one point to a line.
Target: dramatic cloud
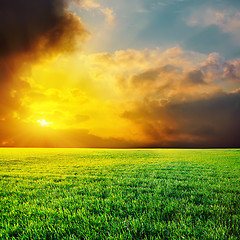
176	98
167	97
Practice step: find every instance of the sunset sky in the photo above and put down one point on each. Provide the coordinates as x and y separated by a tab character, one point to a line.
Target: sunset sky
120	73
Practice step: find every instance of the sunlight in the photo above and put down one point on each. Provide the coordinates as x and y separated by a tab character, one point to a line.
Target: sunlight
43	123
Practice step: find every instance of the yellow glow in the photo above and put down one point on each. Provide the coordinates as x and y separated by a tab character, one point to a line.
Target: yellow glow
76	98
43	123
81	95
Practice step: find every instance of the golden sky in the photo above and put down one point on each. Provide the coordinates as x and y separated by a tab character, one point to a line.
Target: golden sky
59	88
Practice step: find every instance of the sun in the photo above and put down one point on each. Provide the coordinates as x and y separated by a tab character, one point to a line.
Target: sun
44	123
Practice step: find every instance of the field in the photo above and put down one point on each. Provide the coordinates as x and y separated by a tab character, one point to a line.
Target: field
119	194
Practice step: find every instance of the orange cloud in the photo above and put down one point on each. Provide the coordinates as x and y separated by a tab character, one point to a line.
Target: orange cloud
170	98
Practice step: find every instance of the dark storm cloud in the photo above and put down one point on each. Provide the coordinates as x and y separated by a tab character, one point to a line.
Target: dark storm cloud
215	120
28	25
33	29
212	122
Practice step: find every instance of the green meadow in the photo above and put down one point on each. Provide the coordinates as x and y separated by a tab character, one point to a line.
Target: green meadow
119	194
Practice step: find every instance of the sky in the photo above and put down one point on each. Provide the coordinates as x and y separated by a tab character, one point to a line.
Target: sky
120	74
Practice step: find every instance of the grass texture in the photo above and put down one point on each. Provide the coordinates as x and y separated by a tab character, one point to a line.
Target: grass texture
119	194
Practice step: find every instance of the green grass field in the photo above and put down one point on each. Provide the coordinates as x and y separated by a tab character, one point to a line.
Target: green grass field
119	194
